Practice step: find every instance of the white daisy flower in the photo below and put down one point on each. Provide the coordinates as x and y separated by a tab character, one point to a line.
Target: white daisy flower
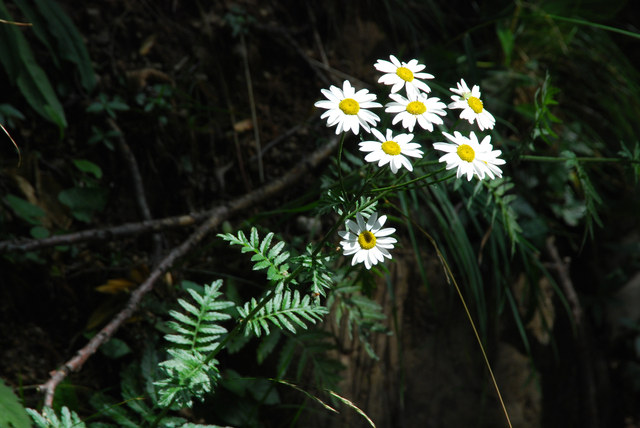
348	108
471	105
367	241
391	150
417	107
403	74
470	156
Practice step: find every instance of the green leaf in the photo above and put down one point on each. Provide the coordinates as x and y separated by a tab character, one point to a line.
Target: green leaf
87	166
25	209
11	411
23	70
69	41
84	201
115	348
39	232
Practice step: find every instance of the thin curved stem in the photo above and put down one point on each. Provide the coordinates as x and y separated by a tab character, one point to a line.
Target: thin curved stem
536	158
452	279
406	183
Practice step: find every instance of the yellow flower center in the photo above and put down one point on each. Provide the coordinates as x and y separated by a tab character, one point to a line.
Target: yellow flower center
405	74
475	104
391	148
349	106
366	240
466	153
416	107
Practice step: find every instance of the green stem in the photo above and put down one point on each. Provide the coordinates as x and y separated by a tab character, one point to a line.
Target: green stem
535	158
340	148
406	183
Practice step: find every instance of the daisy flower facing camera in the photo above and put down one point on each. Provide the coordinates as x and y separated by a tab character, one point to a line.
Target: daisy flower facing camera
347	108
470	156
391	150
416	108
367	241
403	74
471	105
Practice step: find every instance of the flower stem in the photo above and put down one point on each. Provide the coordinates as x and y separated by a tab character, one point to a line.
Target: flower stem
535	158
406	183
340	148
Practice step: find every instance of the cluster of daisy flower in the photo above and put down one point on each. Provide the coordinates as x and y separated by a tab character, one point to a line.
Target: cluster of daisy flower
349	110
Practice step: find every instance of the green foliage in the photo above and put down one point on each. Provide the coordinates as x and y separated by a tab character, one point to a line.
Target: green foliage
190	373
360	313
109	106
544	118
157	100
8	113
285	310
139	398
308	353
333	200
502	202
84	202
87	166
24	209
317	271
104	137
591	197
23	70
633	156
49	419
272	259
11	411
51	23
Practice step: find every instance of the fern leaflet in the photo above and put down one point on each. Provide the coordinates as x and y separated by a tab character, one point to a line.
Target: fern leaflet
285	310
49	419
316	271
272	259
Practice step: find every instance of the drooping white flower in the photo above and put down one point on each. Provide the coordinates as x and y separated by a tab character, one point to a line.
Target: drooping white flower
367	241
391	150
417	107
347	108
469	156
407	74
471	105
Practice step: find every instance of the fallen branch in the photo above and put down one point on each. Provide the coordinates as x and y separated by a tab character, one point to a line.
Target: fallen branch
103	234
216	216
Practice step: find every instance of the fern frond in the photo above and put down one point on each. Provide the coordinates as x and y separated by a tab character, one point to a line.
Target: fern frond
334	200
188	373
316	271
196	328
49	419
285	310
273	259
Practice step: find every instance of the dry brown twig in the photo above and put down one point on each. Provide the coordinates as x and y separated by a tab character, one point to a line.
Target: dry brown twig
138	185
216	216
